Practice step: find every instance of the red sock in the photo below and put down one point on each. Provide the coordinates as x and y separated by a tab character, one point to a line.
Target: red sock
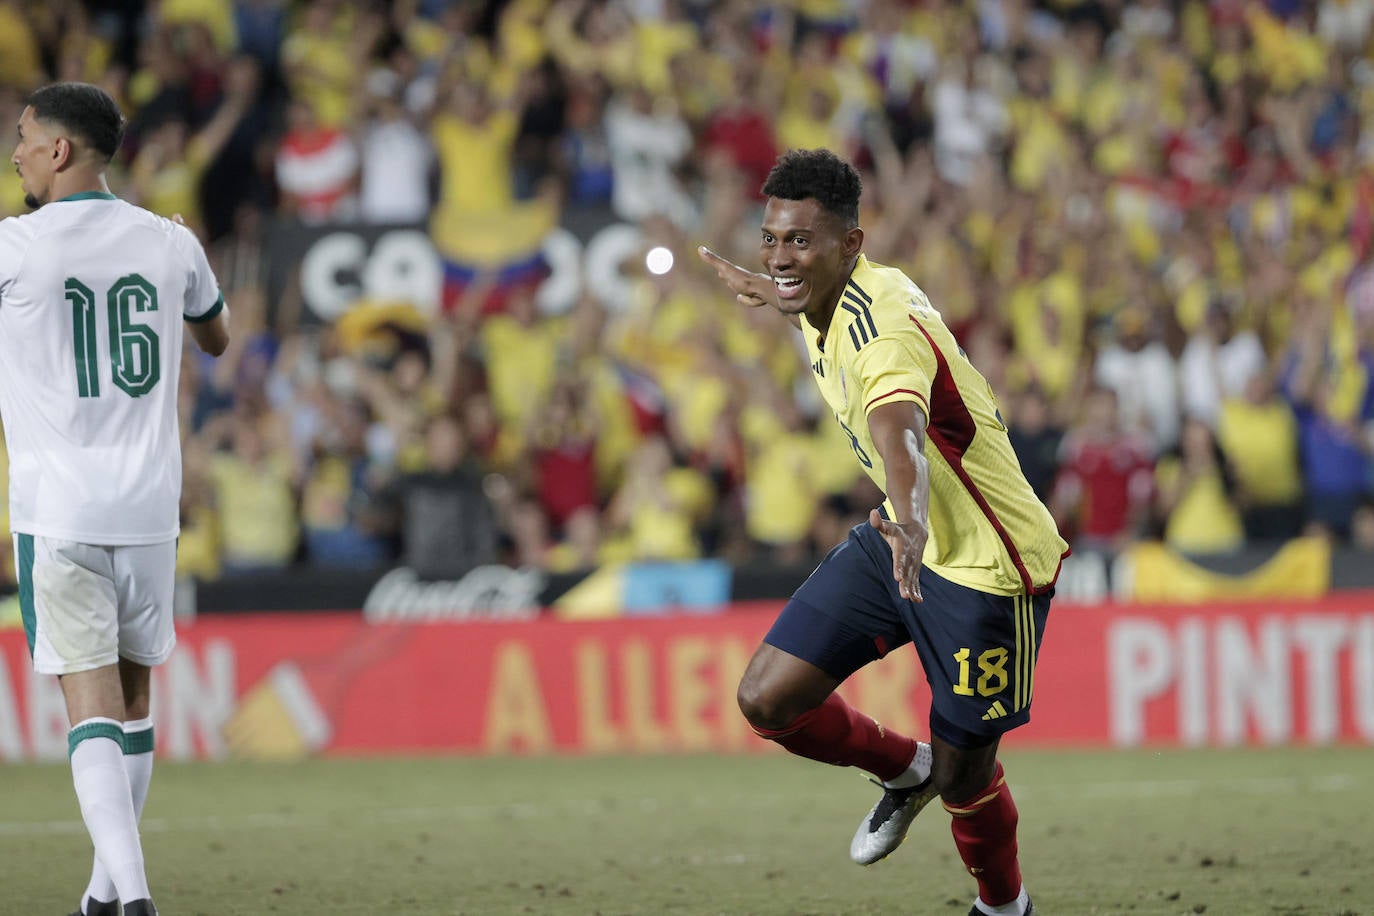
837	733
984	830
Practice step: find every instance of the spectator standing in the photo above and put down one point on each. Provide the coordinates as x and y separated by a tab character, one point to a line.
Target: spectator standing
340	518
1259	437
445	521
396	158
317	168
648	141
1141	370
1196	495
255	499
1218	363
1036	438
1331	399
1106	479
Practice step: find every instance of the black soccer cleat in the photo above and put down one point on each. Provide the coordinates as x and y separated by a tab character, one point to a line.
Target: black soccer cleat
1030	909
93	907
142	907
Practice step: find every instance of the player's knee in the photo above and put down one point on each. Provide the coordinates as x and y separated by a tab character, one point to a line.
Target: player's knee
955	788
960	773
764	708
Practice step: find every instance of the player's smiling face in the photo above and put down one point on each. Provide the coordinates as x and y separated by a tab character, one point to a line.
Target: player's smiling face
809	253
34	159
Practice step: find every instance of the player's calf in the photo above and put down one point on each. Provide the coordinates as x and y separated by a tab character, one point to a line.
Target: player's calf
984	828
96	747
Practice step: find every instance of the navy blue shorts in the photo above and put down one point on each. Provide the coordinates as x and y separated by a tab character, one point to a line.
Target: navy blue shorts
978	649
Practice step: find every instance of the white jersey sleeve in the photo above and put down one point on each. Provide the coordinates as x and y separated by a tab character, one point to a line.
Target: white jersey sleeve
203	297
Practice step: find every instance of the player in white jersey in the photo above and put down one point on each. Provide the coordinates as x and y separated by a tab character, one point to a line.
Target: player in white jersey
93	293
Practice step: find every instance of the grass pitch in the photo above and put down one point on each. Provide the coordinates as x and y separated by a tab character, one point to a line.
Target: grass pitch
1220	832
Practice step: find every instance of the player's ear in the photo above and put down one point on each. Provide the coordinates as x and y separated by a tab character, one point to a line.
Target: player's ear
61	152
853	242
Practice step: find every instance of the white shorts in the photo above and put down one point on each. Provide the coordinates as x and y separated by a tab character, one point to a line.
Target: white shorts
86	606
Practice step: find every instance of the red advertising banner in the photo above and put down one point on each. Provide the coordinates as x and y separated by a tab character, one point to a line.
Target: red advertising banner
283	686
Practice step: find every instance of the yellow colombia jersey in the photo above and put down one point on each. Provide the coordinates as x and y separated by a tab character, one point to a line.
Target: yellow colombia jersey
886	343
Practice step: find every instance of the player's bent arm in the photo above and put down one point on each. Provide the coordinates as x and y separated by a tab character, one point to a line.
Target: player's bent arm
750	287
898	433
211	336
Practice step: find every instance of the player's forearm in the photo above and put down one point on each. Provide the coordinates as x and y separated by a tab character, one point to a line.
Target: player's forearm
908	481
898	433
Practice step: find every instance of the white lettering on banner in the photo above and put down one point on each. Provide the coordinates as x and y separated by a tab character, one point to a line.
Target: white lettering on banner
597	267
1363	677
48	725
187	701
563	254
1257	680
485	593
323	269
337	270
403	267
1321	639
607	252
1231	678
1193	719
1139	668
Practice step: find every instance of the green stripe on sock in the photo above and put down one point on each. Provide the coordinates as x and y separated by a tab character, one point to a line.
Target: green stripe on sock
139	742
24	567
94	730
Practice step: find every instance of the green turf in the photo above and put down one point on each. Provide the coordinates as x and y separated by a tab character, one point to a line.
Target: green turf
1236	832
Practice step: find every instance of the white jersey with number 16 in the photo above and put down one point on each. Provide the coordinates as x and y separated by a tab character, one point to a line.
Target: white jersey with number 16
93	292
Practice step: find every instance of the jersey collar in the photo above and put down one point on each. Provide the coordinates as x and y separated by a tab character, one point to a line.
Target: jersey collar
861	264
87	195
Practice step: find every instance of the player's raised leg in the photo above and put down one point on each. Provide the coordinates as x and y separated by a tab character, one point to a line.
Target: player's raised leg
788	692
791	701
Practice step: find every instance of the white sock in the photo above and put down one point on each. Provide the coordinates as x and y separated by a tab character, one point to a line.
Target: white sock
138	734
917	772
1012	908
107	803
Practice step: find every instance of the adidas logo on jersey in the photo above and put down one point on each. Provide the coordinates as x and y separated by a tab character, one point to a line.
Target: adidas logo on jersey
995	711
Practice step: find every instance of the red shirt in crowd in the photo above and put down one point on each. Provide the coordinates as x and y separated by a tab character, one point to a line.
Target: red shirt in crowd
1108	481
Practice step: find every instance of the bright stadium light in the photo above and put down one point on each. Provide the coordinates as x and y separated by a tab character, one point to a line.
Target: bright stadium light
659	260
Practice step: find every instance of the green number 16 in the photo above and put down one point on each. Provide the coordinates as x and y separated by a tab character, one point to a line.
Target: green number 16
134	348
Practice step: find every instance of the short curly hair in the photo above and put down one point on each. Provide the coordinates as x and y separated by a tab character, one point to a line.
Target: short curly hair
820	174
84	109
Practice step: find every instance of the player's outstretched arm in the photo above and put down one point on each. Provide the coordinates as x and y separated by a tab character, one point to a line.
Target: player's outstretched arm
898	431
750	288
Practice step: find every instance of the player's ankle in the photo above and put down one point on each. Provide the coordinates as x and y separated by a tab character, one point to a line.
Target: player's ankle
1014	907
916	772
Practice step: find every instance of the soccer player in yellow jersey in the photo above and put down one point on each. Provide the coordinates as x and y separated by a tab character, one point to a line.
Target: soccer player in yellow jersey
960	560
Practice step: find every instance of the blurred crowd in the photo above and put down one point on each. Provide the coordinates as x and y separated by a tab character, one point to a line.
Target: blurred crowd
1148	223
